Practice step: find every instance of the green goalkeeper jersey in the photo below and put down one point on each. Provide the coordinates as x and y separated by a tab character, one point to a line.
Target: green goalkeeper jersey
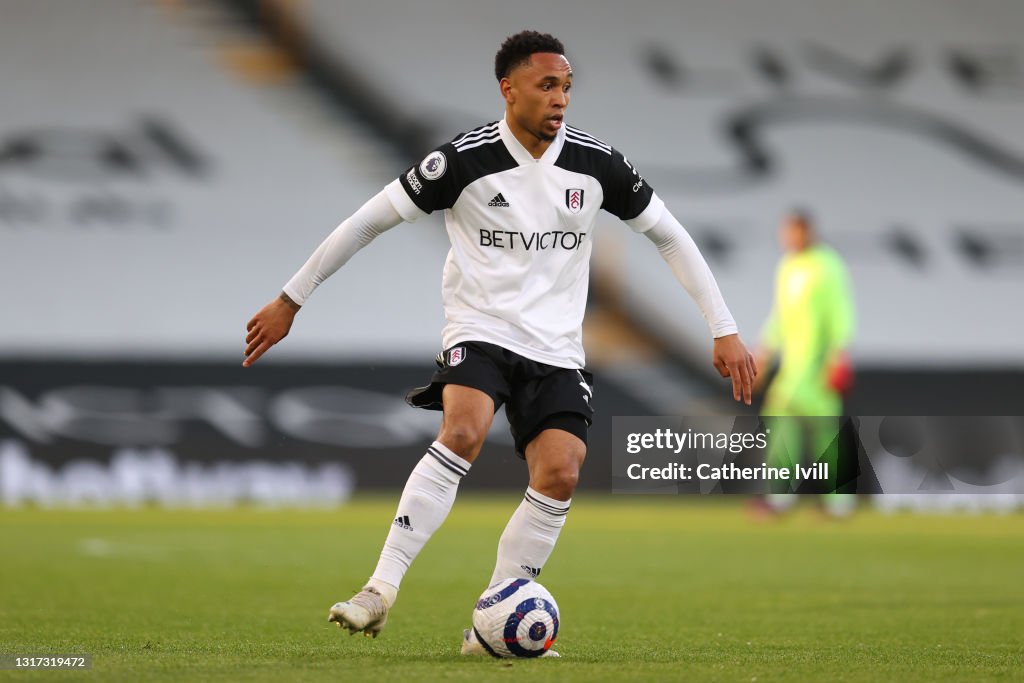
811	320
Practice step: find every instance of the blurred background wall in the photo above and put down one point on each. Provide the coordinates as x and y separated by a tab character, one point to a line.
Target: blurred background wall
166	166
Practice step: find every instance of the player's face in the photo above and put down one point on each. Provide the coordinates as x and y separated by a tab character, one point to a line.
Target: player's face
538	93
794	235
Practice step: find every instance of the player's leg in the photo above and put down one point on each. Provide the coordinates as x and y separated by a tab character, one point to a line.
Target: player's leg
550	416
825	437
430	491
549	412
554	458
425	502
784	447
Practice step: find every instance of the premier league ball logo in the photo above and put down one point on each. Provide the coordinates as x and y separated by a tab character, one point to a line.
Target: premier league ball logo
433	167
574	199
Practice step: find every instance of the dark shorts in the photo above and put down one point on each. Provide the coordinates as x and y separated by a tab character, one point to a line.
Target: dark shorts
536	396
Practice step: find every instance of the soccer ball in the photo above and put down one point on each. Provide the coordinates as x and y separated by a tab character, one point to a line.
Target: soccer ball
516	618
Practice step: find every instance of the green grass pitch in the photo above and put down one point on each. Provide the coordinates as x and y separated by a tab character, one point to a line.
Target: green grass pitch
649	589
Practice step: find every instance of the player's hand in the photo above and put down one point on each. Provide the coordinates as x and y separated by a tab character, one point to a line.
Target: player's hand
840	372
732	359
268	327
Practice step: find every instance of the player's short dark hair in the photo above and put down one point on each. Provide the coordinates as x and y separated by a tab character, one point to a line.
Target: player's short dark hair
802	217
516	50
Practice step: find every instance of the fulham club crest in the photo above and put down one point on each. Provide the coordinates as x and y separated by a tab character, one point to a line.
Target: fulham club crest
456	356
574	199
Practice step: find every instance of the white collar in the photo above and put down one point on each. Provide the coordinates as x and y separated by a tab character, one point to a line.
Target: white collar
520	153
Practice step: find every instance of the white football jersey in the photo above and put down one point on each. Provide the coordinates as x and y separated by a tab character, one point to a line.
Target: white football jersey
520	228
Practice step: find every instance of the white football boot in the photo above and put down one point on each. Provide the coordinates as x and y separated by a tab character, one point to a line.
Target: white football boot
472	646
367	611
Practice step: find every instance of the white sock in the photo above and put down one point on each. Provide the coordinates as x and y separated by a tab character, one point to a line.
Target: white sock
425	502
529	537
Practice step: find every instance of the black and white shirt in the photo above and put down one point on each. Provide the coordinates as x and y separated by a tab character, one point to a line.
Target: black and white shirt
520	229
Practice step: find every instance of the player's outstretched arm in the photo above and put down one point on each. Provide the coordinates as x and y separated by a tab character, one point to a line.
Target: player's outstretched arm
274	320
729	356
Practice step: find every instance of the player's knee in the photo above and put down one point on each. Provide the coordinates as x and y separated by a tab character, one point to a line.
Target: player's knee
559	481
565	481
463	438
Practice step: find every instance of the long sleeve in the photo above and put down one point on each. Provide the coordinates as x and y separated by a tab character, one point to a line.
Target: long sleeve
374	217
839	305
684	258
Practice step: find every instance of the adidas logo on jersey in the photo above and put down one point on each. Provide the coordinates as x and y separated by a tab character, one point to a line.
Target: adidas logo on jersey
499	200
403	521
532	571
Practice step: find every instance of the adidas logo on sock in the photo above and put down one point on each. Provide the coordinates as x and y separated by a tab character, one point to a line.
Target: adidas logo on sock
499	200
532	571
403	521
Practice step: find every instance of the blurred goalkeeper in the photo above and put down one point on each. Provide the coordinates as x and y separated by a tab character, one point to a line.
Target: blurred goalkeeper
808	331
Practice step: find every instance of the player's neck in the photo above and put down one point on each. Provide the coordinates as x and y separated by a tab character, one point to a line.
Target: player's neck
530	142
